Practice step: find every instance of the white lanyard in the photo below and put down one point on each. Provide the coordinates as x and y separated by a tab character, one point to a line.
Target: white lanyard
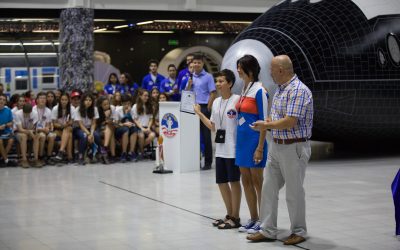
221	120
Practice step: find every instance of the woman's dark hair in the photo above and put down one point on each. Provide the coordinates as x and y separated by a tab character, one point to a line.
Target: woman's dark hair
28	94
164	94
51	105
249	64
154	89
89	112
126	98
14	100
228	74
68	110
140	106
99	105
113	74
114	101
135	95
128	78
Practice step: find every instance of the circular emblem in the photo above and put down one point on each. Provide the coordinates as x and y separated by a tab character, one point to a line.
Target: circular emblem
231	113
169	125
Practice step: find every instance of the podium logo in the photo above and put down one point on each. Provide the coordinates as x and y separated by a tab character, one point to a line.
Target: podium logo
169	125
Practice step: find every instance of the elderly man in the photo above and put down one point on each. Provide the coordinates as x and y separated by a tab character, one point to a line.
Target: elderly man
290	122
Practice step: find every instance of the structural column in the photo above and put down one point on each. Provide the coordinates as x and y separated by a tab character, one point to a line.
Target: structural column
76	49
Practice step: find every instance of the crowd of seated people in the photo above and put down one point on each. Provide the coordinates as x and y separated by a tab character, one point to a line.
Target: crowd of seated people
116	124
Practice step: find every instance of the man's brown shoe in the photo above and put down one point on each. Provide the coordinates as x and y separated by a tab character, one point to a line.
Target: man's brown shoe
37	164
258	237
294	239
25	164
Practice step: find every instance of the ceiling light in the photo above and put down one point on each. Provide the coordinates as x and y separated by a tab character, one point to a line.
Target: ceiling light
12	54
108	20
45	31
40	43
239	22
157	32
9	44
42	54
121	26
30	20
30	54
209	32
107	31
172	21
146	22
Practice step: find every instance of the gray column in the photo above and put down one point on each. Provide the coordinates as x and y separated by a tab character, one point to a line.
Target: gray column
76	49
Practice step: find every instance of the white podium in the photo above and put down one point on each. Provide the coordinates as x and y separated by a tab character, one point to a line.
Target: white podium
181	138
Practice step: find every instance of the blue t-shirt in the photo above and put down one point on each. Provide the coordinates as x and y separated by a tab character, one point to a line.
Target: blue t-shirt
168	87
148	84
203	85
6	117
127	89
132	88
110	88
184	82
183	75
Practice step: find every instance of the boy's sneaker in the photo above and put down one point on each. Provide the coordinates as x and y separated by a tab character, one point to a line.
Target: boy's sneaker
128	157
112	159
12	163
81	160
25	164
139	157
249	224
60	156
132	156
123	158
49	161
37	164
255	228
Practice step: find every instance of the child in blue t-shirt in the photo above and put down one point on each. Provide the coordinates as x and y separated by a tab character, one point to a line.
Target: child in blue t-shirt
6	132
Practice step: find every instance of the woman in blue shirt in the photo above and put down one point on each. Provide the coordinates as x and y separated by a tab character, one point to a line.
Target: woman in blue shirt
127	84
112	85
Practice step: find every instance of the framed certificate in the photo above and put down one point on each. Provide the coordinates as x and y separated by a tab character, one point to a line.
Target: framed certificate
188	99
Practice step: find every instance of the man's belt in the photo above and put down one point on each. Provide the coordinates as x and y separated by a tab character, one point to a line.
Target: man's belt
289	141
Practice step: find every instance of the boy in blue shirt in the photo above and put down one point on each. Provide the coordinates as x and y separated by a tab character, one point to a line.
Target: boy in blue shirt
185	73
6	132
152	79
169	86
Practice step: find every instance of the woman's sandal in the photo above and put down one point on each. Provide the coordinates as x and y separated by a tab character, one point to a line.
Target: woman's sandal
230	224
218	222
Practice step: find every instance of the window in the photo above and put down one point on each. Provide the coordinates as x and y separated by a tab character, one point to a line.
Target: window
48	78
21	84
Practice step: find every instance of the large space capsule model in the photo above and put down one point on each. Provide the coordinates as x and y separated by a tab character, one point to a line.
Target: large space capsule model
346	52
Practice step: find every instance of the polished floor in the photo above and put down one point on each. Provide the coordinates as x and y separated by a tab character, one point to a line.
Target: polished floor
125	206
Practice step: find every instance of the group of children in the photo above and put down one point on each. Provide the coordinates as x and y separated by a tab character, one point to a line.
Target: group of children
116	123
57	127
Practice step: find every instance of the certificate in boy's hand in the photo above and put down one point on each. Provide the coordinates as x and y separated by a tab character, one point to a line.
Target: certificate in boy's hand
188	99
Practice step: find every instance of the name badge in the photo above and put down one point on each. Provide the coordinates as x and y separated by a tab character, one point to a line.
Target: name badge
241	121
